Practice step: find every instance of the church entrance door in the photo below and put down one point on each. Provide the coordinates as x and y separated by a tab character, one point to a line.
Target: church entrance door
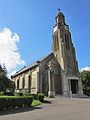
74	86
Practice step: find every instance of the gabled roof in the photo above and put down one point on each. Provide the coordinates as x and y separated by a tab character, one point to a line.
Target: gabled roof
43	58
35	64
25	68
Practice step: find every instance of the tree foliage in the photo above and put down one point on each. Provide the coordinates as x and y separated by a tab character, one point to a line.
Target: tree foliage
5	82
85	77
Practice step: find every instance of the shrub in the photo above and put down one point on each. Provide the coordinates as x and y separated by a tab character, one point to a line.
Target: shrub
8	102
9	93
35	96
41	97
26	94
1	93
18	94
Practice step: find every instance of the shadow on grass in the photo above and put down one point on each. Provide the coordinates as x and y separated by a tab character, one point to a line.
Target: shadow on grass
18	110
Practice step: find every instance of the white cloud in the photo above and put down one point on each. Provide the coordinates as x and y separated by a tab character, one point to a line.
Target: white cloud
85	68
9	54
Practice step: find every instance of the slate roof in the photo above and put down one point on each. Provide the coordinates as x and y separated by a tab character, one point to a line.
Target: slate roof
30	66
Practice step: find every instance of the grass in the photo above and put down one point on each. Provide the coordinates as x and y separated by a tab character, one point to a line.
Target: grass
35	103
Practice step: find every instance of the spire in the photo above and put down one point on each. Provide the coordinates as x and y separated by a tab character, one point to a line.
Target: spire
60	17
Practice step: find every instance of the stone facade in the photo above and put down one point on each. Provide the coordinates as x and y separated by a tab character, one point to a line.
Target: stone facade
57	73
64	51
43	76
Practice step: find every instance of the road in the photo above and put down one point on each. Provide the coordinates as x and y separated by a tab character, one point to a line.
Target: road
59	109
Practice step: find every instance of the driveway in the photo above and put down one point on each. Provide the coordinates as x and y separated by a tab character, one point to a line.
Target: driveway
59	109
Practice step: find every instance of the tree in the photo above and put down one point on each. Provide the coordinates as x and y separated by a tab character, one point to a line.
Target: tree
4	70
5	82
11	86
85	77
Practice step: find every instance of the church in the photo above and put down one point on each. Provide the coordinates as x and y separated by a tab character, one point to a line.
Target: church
56	73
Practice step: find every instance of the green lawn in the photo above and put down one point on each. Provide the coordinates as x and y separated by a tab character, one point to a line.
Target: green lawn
35	103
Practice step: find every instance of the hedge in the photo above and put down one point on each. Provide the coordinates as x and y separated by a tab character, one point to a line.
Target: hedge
39	96
9	102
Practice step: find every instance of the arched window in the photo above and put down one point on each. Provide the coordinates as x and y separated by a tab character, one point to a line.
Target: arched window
29	83
67	41
23	83
18	84
56	43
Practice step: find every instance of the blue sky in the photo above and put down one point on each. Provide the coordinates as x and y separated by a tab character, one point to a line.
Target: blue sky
33	21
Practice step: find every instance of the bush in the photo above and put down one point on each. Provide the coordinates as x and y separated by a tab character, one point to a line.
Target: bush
1	93
26	94
41	97
8	102
18	94
35	96
9	94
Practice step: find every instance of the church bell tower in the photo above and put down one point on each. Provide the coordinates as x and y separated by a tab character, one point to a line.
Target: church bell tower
64	52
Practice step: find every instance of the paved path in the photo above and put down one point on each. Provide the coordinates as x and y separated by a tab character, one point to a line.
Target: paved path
59	109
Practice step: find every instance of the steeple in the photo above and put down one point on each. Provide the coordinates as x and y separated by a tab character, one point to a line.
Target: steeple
60	17
62	45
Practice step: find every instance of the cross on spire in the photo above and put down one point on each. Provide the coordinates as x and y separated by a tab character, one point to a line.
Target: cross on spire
59	9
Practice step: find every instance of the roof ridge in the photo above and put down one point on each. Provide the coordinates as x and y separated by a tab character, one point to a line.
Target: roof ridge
31	65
